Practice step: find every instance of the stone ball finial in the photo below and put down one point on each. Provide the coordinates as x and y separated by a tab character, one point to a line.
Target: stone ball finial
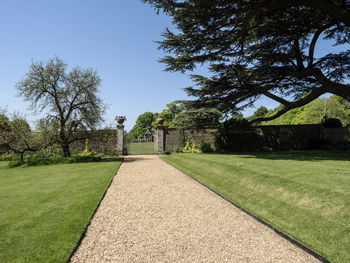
120	119
160	121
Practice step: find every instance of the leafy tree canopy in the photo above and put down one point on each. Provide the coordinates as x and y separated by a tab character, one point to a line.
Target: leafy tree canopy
169	114
196	119
258	48
17	135
312	113
143	124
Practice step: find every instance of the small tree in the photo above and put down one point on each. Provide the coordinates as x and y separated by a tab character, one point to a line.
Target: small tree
17	136
143	123
70	99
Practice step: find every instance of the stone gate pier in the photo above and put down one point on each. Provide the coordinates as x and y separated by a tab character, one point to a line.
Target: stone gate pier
120	135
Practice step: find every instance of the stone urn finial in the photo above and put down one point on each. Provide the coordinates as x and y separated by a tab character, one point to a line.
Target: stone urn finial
120	119
160	121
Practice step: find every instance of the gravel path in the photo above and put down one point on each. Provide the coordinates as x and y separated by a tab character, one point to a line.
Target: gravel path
154	213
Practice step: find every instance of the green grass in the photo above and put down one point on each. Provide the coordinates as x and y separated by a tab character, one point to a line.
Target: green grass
140	148
306	195
44	209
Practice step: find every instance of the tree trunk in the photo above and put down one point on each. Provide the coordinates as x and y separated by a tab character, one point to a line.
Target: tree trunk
65	148
22	159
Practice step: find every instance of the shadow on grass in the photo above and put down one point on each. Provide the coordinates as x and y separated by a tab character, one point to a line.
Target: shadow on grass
112	159
302	156
60	160
134	158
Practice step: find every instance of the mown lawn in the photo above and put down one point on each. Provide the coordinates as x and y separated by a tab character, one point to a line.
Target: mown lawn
44	209
140	148
306	195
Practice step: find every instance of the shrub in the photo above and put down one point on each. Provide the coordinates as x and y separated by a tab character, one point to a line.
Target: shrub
318	144
39	159
14	164
190	146
205	148
331	123
9	157
341	146
236	135
87	152
177	149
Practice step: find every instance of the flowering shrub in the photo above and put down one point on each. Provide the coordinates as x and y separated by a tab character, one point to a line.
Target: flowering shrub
87	152
190	146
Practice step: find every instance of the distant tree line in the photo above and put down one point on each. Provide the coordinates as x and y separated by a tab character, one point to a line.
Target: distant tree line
312	113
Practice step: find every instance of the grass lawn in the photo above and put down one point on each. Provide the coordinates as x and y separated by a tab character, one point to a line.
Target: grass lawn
140	148
306	195
44	209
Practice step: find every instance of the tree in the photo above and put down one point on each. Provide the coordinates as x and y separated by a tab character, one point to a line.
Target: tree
197	119
260	112
143	124
169	114
17	135
258	48
70	99
312	113
330	106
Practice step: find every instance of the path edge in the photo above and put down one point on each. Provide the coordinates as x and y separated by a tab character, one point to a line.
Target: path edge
83	234
283	235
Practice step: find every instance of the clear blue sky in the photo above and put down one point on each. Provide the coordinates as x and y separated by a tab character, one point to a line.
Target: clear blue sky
114	37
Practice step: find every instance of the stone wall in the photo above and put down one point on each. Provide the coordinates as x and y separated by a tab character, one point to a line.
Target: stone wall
290	137
276	137
177	138
101	141
336	135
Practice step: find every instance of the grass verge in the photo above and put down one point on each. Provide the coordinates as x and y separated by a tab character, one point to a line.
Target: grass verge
45	209
140	148
305	195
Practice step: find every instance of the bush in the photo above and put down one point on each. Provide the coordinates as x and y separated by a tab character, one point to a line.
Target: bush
205	148
331	123
318	144
9	157
236	135
39	159
341	146
190	146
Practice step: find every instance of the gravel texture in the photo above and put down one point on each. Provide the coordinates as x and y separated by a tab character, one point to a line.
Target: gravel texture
154	213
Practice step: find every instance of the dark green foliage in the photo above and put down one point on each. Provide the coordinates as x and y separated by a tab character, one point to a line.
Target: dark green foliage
16	136
205	148
38	159
169	114
9	157
143	124
317	143
258	48
196	119
177	149
235	135
5	123
341	146
260	112
331	123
